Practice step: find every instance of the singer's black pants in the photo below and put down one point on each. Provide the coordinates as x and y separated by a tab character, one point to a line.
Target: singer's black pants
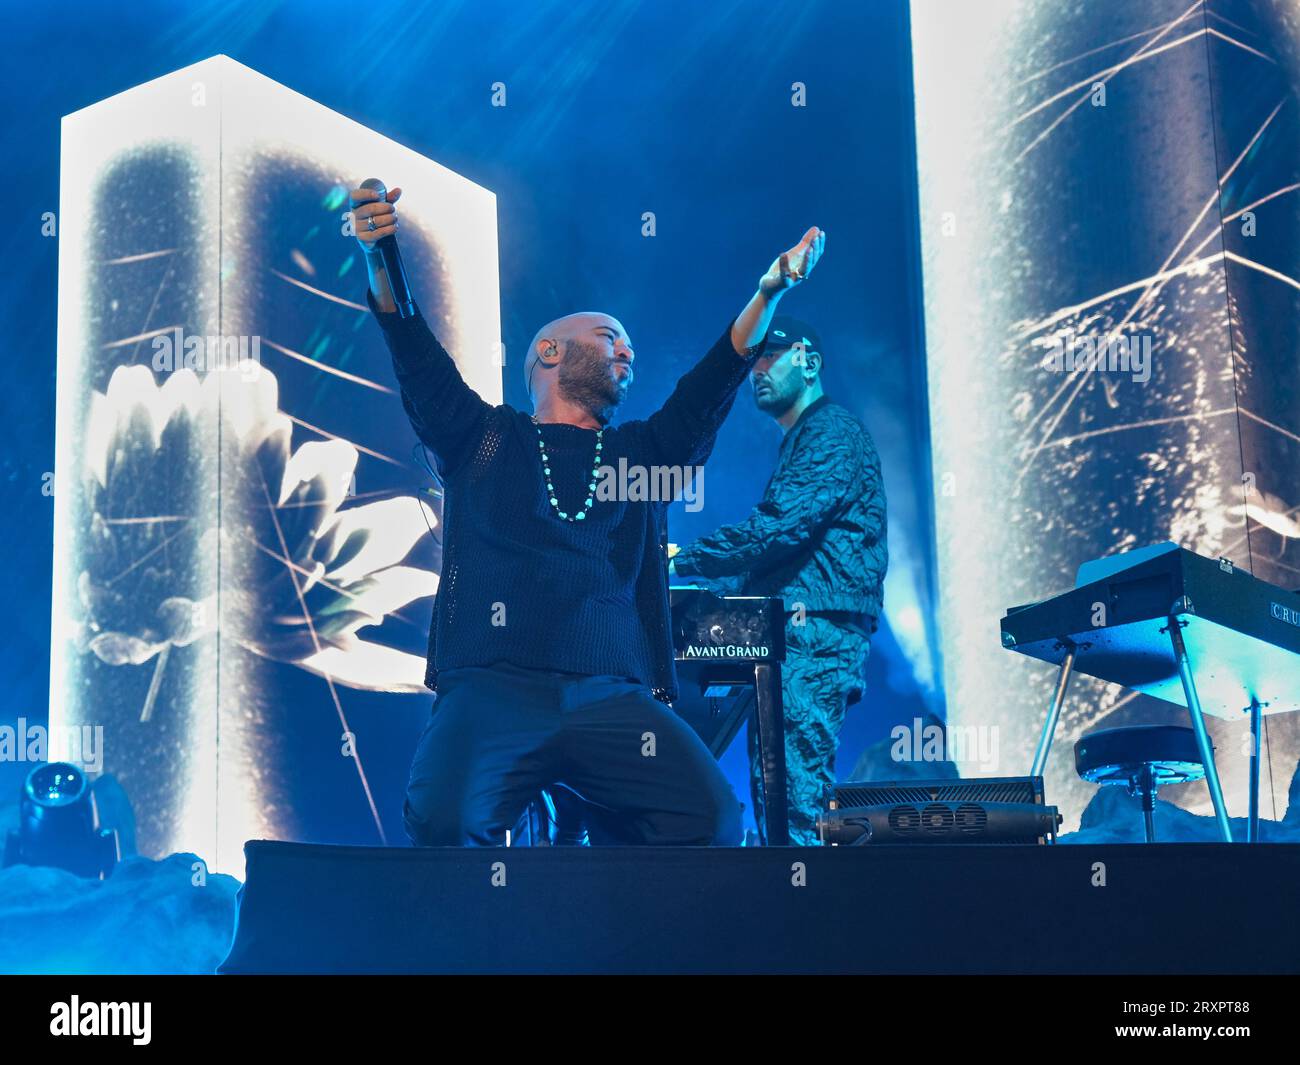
499	735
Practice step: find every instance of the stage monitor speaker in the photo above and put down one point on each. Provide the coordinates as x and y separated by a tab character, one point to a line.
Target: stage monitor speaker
949	810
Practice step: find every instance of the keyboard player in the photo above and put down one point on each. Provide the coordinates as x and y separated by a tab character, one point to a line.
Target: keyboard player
817	540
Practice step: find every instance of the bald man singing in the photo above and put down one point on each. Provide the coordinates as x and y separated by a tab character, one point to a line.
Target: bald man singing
551	650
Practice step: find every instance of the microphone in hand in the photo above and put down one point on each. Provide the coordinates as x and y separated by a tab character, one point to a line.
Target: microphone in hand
375	223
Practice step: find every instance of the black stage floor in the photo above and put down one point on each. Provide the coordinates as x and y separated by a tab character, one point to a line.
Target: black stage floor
1128	908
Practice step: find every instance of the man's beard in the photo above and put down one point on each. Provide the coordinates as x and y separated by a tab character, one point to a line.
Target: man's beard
776	401
587	378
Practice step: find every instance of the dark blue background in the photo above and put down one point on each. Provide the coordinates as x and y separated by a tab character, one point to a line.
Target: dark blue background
614	109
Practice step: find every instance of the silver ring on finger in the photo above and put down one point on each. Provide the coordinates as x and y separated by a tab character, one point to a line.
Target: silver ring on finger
370	225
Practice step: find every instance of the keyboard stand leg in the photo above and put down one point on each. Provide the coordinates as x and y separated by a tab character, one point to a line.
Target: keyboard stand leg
1198	726
1252	824
1053	715
769	717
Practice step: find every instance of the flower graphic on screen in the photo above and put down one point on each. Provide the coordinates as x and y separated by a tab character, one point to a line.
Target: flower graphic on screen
275	560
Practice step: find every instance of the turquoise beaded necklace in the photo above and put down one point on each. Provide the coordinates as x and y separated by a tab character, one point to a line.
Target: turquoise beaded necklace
550	488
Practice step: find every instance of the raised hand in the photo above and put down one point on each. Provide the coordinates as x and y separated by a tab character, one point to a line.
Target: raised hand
793	266
368	208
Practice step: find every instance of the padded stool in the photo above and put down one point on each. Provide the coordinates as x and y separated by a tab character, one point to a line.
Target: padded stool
1143	758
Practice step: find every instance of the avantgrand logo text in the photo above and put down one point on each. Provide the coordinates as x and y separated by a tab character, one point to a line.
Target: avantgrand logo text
102	1018
725	650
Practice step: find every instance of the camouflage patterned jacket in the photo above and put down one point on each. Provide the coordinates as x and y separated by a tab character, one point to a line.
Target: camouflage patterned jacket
818	536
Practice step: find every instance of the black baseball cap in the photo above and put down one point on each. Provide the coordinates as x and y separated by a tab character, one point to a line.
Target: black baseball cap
786	332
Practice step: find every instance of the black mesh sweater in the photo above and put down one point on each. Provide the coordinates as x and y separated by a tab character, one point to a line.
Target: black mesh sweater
519	584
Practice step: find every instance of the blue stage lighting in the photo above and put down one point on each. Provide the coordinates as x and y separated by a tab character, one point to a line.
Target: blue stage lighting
60	825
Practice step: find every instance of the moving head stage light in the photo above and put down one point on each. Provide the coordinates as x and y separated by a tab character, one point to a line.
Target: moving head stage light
60	824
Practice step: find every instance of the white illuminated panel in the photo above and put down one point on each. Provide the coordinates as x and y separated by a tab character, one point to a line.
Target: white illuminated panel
219	592
1069	188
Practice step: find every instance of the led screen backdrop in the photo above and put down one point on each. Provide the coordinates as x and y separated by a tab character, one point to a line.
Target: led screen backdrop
1088	173
245	543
